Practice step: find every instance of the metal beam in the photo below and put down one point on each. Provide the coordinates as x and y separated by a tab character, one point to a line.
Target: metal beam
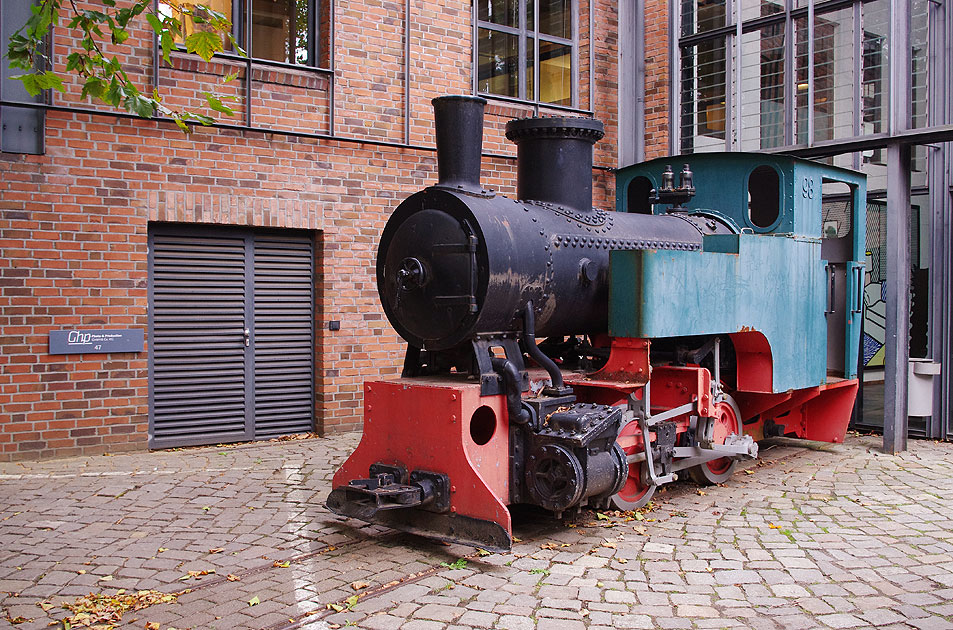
826	148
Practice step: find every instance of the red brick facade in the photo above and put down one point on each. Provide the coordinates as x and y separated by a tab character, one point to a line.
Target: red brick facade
74	222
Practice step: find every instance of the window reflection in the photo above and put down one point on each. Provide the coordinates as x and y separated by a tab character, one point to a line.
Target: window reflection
508	47
499	63
281	30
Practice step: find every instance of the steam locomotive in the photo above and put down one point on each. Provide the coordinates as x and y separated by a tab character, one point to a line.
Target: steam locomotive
565	356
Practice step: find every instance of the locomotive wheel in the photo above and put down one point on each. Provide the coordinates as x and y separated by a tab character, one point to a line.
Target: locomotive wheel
727	421
635	493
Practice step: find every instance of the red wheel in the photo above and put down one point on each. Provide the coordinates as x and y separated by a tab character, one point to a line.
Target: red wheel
636	492
727	422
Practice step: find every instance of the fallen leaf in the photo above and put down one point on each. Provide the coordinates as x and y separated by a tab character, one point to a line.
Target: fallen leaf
749	472
106	578
773	526
206	508
232	578
18	620
45	605
335	607
351	601
702	492
81	571
161	549
602	517
610	545
639	517
483	552
359	585
152	625
254	601
197	574
622	561
639	529
281	565
216	550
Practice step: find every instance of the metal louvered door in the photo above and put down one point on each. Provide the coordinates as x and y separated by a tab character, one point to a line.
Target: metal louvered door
231	336
284	336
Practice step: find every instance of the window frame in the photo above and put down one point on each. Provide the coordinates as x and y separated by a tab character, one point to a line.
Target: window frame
531	32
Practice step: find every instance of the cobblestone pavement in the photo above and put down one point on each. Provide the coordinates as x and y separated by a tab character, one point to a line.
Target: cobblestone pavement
839	538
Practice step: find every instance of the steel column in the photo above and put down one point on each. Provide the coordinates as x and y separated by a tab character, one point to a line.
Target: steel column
898	234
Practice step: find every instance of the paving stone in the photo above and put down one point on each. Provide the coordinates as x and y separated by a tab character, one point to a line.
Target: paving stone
478	619
841	620
438	612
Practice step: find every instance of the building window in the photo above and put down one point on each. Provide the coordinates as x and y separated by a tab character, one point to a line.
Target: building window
283	31
527	50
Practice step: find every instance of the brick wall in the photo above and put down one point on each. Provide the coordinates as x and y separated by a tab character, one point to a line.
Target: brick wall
74	222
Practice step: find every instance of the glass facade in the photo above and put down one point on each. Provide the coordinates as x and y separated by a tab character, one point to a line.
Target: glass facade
526	49
757	74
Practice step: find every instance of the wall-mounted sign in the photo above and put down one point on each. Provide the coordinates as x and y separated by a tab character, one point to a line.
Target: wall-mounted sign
95	341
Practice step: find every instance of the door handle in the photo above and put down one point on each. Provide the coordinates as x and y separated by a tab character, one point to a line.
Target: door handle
247	337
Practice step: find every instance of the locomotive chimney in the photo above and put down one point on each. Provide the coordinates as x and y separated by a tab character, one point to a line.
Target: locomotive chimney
554	159
458	122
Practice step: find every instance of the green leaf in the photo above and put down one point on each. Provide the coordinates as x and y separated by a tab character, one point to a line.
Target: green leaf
114	94
167	44
234	42
47	80
93	87
109	3
119	35
29	83
216	104
203	44
141	105
154	22
602	517
181	125
351	601
200	118
254	601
